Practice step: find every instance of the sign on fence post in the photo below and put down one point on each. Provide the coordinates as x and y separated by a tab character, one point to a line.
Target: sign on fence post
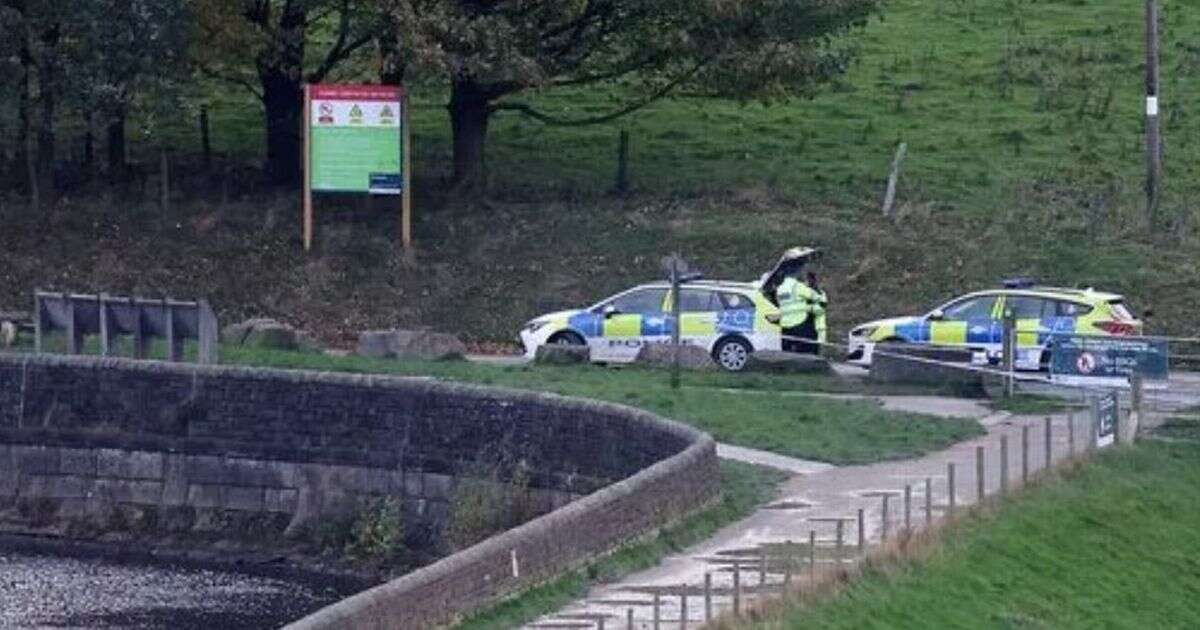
1106	411
1108	361
356	140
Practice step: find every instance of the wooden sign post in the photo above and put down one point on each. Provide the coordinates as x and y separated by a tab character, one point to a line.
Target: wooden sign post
356	140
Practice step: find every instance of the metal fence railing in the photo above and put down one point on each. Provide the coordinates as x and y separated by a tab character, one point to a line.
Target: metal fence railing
140	319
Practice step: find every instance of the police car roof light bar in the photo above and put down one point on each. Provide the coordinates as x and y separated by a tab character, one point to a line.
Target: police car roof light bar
1018	283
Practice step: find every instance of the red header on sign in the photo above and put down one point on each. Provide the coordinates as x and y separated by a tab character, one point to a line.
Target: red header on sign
356	92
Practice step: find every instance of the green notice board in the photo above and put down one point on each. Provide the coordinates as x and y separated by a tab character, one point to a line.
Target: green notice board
356	139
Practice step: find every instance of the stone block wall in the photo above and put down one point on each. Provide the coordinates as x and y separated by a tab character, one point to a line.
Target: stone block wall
197	448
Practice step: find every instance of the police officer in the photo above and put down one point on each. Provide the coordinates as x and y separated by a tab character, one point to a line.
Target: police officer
819	303
802	312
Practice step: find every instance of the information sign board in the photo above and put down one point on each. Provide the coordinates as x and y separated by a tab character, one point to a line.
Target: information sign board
356	141
1108	361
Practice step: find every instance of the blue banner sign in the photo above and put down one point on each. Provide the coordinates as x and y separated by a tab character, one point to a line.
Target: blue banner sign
1114	360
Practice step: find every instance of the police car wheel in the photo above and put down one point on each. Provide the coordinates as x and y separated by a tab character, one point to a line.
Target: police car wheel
566	339
732	354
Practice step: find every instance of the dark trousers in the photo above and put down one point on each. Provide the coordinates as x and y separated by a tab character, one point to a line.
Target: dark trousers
807	330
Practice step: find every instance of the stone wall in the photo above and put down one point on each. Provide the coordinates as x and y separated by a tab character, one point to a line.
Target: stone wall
204	448
537	551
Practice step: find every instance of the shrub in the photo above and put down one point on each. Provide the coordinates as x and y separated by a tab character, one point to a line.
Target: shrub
377	532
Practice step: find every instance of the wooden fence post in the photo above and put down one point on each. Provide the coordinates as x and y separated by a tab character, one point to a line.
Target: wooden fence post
1049	444
980	486
862	533
623	161
928	502
683	615
1071	434
1004	465
1024	454
840	534
883	536
889	198
737	587
812	555
950	489
907	509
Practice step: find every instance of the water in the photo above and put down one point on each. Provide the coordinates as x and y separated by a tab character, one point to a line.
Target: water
40	591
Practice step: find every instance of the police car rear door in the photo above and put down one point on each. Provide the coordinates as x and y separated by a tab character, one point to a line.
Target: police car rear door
698	310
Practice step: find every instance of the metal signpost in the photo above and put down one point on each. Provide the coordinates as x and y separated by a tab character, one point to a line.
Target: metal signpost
356	140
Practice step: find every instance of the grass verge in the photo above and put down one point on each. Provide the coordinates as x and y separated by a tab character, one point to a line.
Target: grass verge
1031	405
1106	545
743	487
764	412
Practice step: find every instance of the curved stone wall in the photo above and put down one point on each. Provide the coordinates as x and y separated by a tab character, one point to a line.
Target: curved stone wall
81	434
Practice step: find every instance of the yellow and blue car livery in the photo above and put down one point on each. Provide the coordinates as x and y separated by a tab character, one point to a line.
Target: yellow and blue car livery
730	320
976	321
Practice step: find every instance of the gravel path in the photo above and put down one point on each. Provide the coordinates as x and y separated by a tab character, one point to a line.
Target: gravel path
57	592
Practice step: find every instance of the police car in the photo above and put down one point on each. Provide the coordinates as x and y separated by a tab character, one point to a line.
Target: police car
730	320
976	321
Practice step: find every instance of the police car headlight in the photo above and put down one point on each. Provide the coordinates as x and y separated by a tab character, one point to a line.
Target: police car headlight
863	331
533	326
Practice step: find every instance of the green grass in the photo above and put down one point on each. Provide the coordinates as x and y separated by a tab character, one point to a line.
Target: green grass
788	415
1185	425
1111	545
1031	404
985	92
743	488
727	185
759	415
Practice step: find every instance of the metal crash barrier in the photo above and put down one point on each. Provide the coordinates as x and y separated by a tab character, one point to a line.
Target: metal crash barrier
139	318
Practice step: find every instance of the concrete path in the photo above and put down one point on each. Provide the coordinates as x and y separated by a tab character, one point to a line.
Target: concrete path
812	502
771	460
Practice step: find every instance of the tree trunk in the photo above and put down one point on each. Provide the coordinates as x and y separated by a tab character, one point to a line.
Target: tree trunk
281	73
26	148
116	146
284	107
46	94
21	157
469	114
391	60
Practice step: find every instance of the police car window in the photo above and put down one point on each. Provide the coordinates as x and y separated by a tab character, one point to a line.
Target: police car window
697	301
641	301
735	302
1063	308
1026	307
974	308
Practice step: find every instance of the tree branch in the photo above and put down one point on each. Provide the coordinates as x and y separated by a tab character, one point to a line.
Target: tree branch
529	111
340	49
236	80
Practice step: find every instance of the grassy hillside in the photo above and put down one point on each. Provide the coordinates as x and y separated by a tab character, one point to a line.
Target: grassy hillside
1023	124
1110	546
985	92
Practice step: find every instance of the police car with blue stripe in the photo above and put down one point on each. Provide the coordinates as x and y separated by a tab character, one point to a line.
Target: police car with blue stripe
976	321
730	320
